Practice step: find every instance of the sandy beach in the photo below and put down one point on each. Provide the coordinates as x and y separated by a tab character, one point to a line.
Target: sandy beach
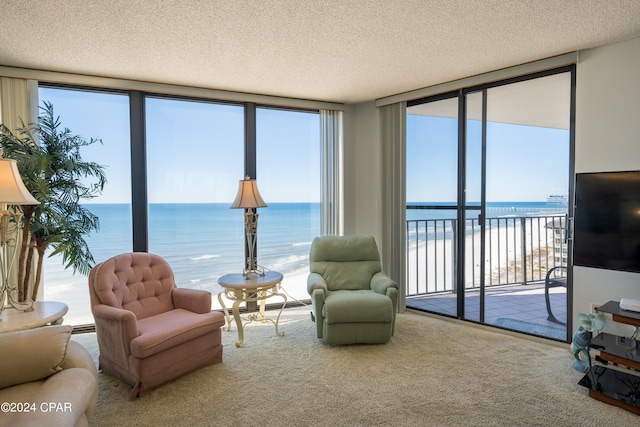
430	265
432	262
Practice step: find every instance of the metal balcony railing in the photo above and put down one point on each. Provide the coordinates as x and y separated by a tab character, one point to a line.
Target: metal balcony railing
518	250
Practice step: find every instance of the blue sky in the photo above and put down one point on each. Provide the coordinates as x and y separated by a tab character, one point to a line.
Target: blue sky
195	152
524	163
195	149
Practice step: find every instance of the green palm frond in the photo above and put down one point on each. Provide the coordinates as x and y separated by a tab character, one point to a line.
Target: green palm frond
50	162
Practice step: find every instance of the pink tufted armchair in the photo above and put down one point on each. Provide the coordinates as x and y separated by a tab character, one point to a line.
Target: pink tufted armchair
149	331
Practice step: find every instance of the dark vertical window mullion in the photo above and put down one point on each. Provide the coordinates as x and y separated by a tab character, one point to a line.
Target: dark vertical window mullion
572	174
250	168
462	202
139	211
483	205
250	140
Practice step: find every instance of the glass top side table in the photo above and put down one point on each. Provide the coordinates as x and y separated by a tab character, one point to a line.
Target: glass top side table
239	289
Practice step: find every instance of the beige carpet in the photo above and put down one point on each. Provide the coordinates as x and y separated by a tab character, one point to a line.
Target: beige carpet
434	372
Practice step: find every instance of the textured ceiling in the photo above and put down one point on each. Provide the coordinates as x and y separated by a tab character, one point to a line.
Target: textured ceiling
330	50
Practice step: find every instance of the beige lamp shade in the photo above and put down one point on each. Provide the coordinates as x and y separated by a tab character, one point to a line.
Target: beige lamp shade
248	195
12	189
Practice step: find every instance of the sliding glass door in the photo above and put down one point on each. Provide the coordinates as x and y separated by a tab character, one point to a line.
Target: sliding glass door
527	183
513	184
474	240
432	187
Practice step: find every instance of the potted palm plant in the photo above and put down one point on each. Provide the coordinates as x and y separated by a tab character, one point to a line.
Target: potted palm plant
52	168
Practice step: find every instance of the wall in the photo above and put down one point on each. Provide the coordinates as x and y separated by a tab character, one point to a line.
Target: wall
607	139
362	170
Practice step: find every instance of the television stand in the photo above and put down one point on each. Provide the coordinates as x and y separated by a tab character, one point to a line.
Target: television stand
613	385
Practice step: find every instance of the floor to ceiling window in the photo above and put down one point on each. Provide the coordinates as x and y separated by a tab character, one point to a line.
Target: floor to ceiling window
506	149
195	153
288	175
105	116
190	154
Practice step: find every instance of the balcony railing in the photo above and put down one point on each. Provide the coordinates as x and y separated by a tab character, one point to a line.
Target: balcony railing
518	250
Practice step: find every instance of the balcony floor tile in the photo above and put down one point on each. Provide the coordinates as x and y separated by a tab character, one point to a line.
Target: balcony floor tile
525	303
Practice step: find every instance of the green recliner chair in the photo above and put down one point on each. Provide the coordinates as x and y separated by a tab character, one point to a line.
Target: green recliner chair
354	302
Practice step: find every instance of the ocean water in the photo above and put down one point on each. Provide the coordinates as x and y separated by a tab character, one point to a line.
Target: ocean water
206	240
201	242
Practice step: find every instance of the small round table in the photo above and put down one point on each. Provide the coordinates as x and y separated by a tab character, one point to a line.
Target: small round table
43	313
256	287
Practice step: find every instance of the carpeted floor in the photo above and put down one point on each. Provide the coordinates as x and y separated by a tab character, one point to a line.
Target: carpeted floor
434	372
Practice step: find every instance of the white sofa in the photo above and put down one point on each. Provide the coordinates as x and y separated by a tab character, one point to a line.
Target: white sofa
46	379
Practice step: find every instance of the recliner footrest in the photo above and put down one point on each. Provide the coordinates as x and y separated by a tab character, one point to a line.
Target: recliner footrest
361	306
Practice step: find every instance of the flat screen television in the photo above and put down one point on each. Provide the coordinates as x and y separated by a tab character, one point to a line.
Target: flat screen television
607	220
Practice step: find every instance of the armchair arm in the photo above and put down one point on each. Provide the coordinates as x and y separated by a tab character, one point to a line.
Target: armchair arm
380	282
79	357
195	300
316	281
115	325
317	301
73	389
317	288
551	277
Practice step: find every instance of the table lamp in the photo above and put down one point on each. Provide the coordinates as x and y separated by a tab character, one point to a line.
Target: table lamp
12	192
249	199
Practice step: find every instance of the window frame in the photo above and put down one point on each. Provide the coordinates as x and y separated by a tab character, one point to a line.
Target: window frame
138	145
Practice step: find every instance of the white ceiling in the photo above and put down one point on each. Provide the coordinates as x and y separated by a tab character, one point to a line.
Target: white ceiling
542	102
331	50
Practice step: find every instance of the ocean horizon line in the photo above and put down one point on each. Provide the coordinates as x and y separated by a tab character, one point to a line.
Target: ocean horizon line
412	203
194	203
492	203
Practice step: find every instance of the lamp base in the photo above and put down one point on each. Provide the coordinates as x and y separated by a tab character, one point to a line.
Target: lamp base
251	230
248	274
6	299
9	227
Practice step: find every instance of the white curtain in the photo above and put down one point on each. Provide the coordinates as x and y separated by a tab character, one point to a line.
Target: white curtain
16	102
332	172
393	195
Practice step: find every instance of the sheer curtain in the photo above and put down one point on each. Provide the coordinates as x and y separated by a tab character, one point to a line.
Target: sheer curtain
16	99
331	169
393	195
